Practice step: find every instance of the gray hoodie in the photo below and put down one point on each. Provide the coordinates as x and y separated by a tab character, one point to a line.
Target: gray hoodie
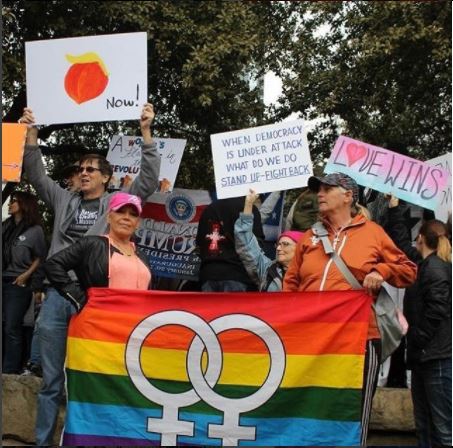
65	203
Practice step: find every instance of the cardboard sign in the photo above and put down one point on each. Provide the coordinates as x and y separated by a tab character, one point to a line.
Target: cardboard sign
13	142
125	154
265	158
168	230
84	79
388	172
444	207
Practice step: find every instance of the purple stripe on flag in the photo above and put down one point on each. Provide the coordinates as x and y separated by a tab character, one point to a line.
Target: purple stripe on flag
87	440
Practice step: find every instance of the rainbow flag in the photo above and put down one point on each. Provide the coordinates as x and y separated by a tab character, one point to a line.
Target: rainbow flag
256	369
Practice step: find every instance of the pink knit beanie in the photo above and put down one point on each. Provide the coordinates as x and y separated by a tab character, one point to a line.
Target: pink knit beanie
293	234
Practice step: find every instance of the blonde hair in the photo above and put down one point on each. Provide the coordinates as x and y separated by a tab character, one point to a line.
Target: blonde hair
435	235
363	211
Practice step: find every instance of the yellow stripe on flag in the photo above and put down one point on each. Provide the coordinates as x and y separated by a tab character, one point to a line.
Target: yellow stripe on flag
338	371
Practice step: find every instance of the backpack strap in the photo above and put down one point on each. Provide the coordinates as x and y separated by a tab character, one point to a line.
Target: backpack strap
320	231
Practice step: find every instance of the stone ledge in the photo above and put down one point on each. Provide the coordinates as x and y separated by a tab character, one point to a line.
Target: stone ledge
392	409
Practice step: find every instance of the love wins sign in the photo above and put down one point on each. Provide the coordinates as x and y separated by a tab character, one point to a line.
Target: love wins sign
388	172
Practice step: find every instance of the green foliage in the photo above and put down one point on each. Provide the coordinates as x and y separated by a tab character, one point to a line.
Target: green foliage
201	59
376	71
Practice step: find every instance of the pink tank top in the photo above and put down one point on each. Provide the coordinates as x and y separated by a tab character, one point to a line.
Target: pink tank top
128	272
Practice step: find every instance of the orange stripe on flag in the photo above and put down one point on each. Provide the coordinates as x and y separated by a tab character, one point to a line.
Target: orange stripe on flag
298	338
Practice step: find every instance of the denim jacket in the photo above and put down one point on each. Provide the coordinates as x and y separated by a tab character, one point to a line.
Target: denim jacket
267	274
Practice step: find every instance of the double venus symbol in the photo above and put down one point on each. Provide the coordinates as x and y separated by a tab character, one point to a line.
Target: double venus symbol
170	426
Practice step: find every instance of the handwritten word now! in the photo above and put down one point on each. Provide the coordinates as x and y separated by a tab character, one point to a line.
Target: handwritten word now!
388	172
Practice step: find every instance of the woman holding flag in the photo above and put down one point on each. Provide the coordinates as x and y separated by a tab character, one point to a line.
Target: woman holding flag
368	252
110	261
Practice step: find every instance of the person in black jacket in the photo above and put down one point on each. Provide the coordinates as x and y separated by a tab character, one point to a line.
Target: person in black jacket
221	268
103	261
429	337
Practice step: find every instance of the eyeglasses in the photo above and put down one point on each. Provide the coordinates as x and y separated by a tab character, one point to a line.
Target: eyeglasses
283	244
12	200
88	169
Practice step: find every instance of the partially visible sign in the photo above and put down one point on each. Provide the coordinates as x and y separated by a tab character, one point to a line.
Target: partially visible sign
84	79
13	142
389	172
266	158
125	153
168	231
444	207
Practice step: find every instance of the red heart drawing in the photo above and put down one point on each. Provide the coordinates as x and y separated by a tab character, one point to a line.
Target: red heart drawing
355	152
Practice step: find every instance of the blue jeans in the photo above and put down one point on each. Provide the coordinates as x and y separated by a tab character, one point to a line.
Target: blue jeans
431	394
54	318
224	286
16	300
35	353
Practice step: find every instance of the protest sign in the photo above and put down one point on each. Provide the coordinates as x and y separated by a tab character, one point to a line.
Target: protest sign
216	369
388	172
13	141
168	230
265	158
84	79
444	207
125	153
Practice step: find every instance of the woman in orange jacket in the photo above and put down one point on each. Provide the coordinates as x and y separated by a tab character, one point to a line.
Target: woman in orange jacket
366	249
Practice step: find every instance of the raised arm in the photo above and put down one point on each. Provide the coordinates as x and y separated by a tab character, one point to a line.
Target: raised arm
252	257
147	180
48	190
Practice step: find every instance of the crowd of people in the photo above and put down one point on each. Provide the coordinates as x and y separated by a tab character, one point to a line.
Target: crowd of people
92	245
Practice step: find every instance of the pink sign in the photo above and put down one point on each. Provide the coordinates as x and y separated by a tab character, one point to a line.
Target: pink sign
388	172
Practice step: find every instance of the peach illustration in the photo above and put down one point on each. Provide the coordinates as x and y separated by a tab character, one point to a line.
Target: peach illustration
87	77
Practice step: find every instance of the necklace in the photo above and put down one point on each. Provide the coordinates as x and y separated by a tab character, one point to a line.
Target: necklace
128	252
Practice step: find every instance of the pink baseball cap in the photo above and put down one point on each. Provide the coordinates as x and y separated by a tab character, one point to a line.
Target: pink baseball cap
121	199
292	234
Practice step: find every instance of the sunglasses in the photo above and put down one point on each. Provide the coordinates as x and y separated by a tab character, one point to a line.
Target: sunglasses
88	169
283	244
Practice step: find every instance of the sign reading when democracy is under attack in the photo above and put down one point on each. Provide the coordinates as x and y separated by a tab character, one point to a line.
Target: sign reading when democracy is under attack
125	154
386	171
85	79
266	158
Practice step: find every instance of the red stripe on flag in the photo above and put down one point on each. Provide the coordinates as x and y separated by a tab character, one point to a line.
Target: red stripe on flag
332	306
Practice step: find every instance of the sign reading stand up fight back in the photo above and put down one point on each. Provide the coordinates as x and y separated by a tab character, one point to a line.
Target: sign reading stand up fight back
266	158
389	172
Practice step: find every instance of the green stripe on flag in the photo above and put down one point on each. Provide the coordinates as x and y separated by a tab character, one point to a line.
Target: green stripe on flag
308	402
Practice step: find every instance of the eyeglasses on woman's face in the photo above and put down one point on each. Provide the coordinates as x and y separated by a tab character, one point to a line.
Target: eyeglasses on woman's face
88	169
283	244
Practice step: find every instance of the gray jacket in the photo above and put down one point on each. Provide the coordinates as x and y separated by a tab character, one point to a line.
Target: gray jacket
267	274
65	203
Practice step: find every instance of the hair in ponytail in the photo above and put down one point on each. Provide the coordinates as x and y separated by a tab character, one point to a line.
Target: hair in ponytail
435	235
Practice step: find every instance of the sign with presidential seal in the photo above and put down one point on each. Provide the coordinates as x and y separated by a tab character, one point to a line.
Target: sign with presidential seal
180	208
168	231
